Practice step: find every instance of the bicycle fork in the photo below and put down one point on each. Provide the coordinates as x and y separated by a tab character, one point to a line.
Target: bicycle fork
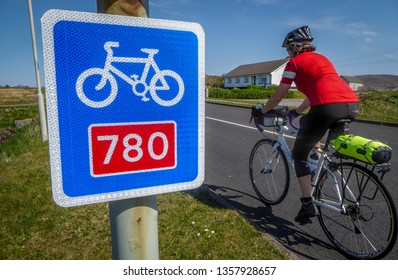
268	168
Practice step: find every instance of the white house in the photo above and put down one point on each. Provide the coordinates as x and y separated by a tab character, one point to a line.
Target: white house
354	82
261	74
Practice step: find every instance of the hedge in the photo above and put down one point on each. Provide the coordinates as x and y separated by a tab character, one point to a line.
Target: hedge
251	92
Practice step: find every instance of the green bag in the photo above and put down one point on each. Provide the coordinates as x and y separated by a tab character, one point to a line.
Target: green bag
363	149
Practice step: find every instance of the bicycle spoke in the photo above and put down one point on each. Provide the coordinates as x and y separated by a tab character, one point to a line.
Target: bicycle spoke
365	225
356	212
269	172
365	238
337	222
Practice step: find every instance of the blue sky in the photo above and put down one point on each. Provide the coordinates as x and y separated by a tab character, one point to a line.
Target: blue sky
358	36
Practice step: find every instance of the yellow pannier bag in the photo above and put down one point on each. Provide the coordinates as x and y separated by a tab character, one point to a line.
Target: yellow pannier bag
363	149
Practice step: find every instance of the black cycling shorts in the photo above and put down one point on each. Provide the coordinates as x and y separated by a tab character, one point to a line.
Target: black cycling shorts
313	126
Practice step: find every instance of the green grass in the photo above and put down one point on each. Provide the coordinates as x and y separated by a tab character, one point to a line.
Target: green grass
16	96
192	225
381	106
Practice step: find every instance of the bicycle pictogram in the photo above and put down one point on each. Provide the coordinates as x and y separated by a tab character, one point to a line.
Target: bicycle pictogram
140	87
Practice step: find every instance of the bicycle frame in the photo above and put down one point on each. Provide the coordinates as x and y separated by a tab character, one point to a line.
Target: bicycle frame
353	205
332	205
324	163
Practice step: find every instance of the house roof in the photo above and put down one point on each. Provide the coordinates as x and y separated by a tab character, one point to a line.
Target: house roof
352	79
266	67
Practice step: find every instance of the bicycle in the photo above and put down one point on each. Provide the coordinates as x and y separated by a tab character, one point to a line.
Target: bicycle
355	210
139	85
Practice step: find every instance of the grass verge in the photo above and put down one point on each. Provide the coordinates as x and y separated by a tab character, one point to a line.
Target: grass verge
192	225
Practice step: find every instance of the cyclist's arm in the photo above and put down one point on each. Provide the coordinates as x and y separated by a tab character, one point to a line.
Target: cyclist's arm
277	97
303	106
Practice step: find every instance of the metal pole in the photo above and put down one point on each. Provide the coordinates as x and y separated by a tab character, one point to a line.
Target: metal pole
134	229
40	99
134	224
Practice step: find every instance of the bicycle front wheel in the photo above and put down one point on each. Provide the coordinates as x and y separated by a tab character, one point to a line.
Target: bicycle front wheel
365	227
269	172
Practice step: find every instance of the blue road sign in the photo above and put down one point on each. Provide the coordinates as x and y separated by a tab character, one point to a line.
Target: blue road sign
125	106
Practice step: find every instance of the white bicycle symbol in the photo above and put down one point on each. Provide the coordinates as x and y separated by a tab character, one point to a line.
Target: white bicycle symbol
157	82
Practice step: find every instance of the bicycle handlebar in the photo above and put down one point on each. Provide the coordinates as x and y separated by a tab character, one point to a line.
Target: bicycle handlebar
278	112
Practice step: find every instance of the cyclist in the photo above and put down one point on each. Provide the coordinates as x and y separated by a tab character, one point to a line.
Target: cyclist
327	95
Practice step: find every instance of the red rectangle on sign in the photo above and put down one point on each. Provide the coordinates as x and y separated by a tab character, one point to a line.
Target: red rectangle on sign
132	147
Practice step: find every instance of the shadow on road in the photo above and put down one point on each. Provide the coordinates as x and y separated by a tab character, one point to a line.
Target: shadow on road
263	219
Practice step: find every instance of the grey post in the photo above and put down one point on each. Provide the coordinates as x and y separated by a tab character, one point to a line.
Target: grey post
134	224
40	98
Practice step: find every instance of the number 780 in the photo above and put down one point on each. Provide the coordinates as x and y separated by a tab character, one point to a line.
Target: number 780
132	147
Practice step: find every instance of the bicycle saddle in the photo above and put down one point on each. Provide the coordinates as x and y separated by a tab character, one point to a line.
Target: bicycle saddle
341	121
339	127
150	51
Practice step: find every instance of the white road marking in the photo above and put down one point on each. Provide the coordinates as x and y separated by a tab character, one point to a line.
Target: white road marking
246	126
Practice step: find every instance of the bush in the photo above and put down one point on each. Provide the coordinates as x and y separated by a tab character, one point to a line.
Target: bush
377	105
251	92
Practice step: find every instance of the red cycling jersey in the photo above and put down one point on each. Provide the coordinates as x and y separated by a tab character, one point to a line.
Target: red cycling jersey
316	77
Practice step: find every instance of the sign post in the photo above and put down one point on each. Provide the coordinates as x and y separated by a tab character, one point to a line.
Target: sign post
125	100
40	98
134	222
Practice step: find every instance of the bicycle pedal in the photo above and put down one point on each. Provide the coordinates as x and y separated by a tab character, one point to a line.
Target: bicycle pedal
306	221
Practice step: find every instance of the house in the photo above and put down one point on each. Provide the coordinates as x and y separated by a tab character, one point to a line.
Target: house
261	74
354	82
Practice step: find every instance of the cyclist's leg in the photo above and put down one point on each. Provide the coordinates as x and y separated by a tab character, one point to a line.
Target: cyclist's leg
310	133
313	127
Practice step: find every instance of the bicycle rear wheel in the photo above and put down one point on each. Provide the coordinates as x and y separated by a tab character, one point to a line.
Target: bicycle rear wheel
367	229
269	172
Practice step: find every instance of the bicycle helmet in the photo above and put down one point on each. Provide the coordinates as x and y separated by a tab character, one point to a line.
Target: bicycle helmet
298	37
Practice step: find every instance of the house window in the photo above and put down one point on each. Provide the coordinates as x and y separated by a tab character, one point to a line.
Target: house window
229	81
263	79
237	81
246	80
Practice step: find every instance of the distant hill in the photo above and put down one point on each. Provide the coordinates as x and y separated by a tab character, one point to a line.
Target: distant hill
380	82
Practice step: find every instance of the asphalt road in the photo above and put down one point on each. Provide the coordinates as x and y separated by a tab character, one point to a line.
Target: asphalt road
229	140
